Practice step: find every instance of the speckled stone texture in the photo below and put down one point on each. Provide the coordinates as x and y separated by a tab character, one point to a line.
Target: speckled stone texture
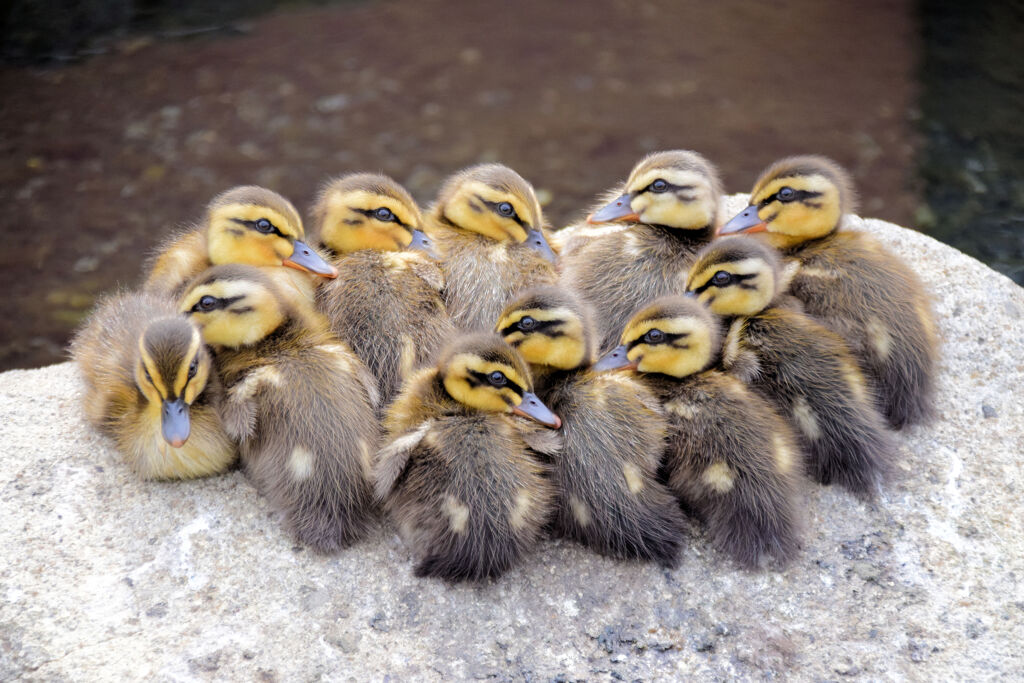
106	577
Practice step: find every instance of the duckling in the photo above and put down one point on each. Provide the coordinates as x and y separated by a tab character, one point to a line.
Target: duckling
386	303
848	281
731	458
613	434
488	226
246	224
459	480
668	209
149	386
802	366
300	403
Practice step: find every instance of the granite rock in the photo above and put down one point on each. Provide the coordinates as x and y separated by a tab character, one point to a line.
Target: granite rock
108	577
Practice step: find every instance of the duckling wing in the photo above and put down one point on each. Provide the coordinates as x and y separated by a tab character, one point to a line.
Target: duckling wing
393	458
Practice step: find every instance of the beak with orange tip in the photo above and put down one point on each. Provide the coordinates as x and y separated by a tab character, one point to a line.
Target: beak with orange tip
746	220
304	258
533	408
174	422
616	359
618	209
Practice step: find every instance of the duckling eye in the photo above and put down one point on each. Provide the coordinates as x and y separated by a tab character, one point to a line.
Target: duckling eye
193	367
505	209
264	226
654	337
145	372
527	323
207	303
659	185
497	379
384	214
786	194
721	278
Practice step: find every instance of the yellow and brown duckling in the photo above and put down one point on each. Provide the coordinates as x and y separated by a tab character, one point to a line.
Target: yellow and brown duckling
731	458
246	224
299	402
386	302
488	228
848	281
149	385
460	482
613	434
801	365
668	209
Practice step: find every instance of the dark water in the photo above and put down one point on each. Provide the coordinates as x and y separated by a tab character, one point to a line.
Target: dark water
972	106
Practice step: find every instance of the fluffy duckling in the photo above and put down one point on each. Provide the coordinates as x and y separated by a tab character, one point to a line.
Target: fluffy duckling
488	226
459	479
300	403
148	385
668	209
385	303
848	281
804	367
730	457
246	224
613	434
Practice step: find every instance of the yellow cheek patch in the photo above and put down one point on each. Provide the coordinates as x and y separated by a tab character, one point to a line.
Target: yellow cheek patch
367	232
253	212
233	243
675	361
796	218
467	211
483	396
235	326
679	325
154	374
563	352
182	376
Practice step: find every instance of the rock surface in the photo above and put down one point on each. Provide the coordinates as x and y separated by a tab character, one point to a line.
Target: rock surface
106	577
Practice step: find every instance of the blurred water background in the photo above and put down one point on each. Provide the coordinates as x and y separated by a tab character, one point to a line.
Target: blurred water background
120	119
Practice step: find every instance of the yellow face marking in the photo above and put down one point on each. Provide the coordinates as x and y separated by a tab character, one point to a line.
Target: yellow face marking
155	380
255	314
468	209
347	228
670	358
182	376
560	346
718	477
231	242
667	208
733	298
484	396
669	325
797	219
457	513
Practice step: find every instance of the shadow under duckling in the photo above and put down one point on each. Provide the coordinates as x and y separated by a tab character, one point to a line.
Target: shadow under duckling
246	224
730	458
801	365
668	208
848	281
457	474
386	302
488	227
299	402
613	434
149	386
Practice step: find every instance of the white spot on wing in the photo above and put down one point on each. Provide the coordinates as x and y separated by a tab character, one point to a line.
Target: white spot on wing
300	462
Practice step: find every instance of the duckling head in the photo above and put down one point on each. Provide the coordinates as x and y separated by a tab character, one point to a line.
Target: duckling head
549	326
675	336
795	200
676	189
172	369
735	276
258	227
494	201
484	373
234	306
368	211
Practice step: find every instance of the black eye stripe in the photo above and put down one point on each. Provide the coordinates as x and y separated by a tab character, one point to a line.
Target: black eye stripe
493	206
540	326
372	213
252	226
737	278
798	196
478	379
219	304
670	338
669	187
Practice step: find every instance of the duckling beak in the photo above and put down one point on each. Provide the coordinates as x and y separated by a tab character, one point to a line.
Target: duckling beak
423	243
533	408
614	360
536	240
616	210
174	421
746	220
304	258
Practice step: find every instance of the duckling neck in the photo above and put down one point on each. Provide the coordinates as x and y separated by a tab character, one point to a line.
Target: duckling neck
546	377
689	238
